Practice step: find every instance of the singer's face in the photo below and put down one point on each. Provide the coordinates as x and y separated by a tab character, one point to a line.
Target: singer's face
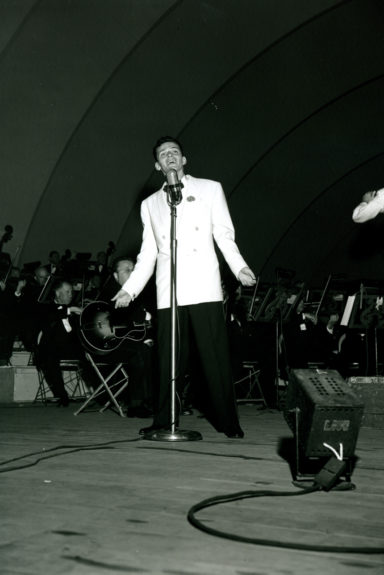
169	157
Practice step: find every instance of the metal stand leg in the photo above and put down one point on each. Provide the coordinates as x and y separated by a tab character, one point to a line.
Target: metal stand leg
104	387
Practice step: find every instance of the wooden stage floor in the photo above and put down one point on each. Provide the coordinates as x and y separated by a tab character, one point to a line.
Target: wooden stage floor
84	495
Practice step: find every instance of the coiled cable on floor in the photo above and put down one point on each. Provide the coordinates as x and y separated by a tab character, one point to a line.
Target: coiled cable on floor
267	542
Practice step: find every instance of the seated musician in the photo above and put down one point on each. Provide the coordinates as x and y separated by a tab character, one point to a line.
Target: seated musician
9	317
92	288
58	338
134	348
28	313
309	338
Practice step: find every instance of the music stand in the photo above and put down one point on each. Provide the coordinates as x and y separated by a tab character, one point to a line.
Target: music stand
365	311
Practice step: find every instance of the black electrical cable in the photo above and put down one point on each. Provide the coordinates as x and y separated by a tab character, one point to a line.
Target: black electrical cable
267	542
70	448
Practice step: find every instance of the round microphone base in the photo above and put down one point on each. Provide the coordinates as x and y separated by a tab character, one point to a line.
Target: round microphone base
169	435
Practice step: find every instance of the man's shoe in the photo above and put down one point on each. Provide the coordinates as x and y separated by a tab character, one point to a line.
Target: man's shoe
145	430
237	434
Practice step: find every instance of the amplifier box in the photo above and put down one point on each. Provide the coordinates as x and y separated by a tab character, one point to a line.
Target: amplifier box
370	390
322	408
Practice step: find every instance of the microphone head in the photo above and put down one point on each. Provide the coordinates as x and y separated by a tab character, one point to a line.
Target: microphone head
172	177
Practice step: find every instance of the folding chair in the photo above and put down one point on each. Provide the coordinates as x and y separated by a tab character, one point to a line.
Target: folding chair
113	389
248	388
73	382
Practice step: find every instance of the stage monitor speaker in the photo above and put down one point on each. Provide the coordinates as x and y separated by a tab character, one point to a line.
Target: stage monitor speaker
322	408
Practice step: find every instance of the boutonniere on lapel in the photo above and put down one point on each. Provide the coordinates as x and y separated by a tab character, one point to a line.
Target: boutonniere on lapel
191	198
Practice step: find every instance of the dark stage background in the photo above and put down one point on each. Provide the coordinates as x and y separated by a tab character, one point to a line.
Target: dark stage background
281	100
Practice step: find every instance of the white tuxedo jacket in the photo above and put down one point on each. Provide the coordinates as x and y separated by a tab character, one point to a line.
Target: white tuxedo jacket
368	210
202	217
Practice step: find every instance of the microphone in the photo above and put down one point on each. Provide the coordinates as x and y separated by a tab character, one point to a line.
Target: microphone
174	188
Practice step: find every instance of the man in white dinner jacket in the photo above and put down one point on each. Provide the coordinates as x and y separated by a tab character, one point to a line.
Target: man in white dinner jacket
372	204
202	219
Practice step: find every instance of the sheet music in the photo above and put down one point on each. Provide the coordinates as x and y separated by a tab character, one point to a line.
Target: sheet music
348	310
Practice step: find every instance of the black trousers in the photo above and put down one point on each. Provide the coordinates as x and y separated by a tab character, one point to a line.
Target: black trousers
49	352
206	323
138	360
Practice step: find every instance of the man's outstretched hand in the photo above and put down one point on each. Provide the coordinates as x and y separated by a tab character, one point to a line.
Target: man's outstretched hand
247	277
122	299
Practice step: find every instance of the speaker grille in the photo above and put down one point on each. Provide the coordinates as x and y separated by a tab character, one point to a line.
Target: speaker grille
322	408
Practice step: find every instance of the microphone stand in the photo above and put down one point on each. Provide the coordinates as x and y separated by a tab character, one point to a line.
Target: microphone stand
174	197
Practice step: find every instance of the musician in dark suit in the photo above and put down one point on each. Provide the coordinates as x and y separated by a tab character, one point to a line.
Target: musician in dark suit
8	317
308	338
19	313
135	349
58	338
28	309
101	264
101	268
54	265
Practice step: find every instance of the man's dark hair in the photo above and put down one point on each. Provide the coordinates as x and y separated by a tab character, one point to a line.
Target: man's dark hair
163	140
